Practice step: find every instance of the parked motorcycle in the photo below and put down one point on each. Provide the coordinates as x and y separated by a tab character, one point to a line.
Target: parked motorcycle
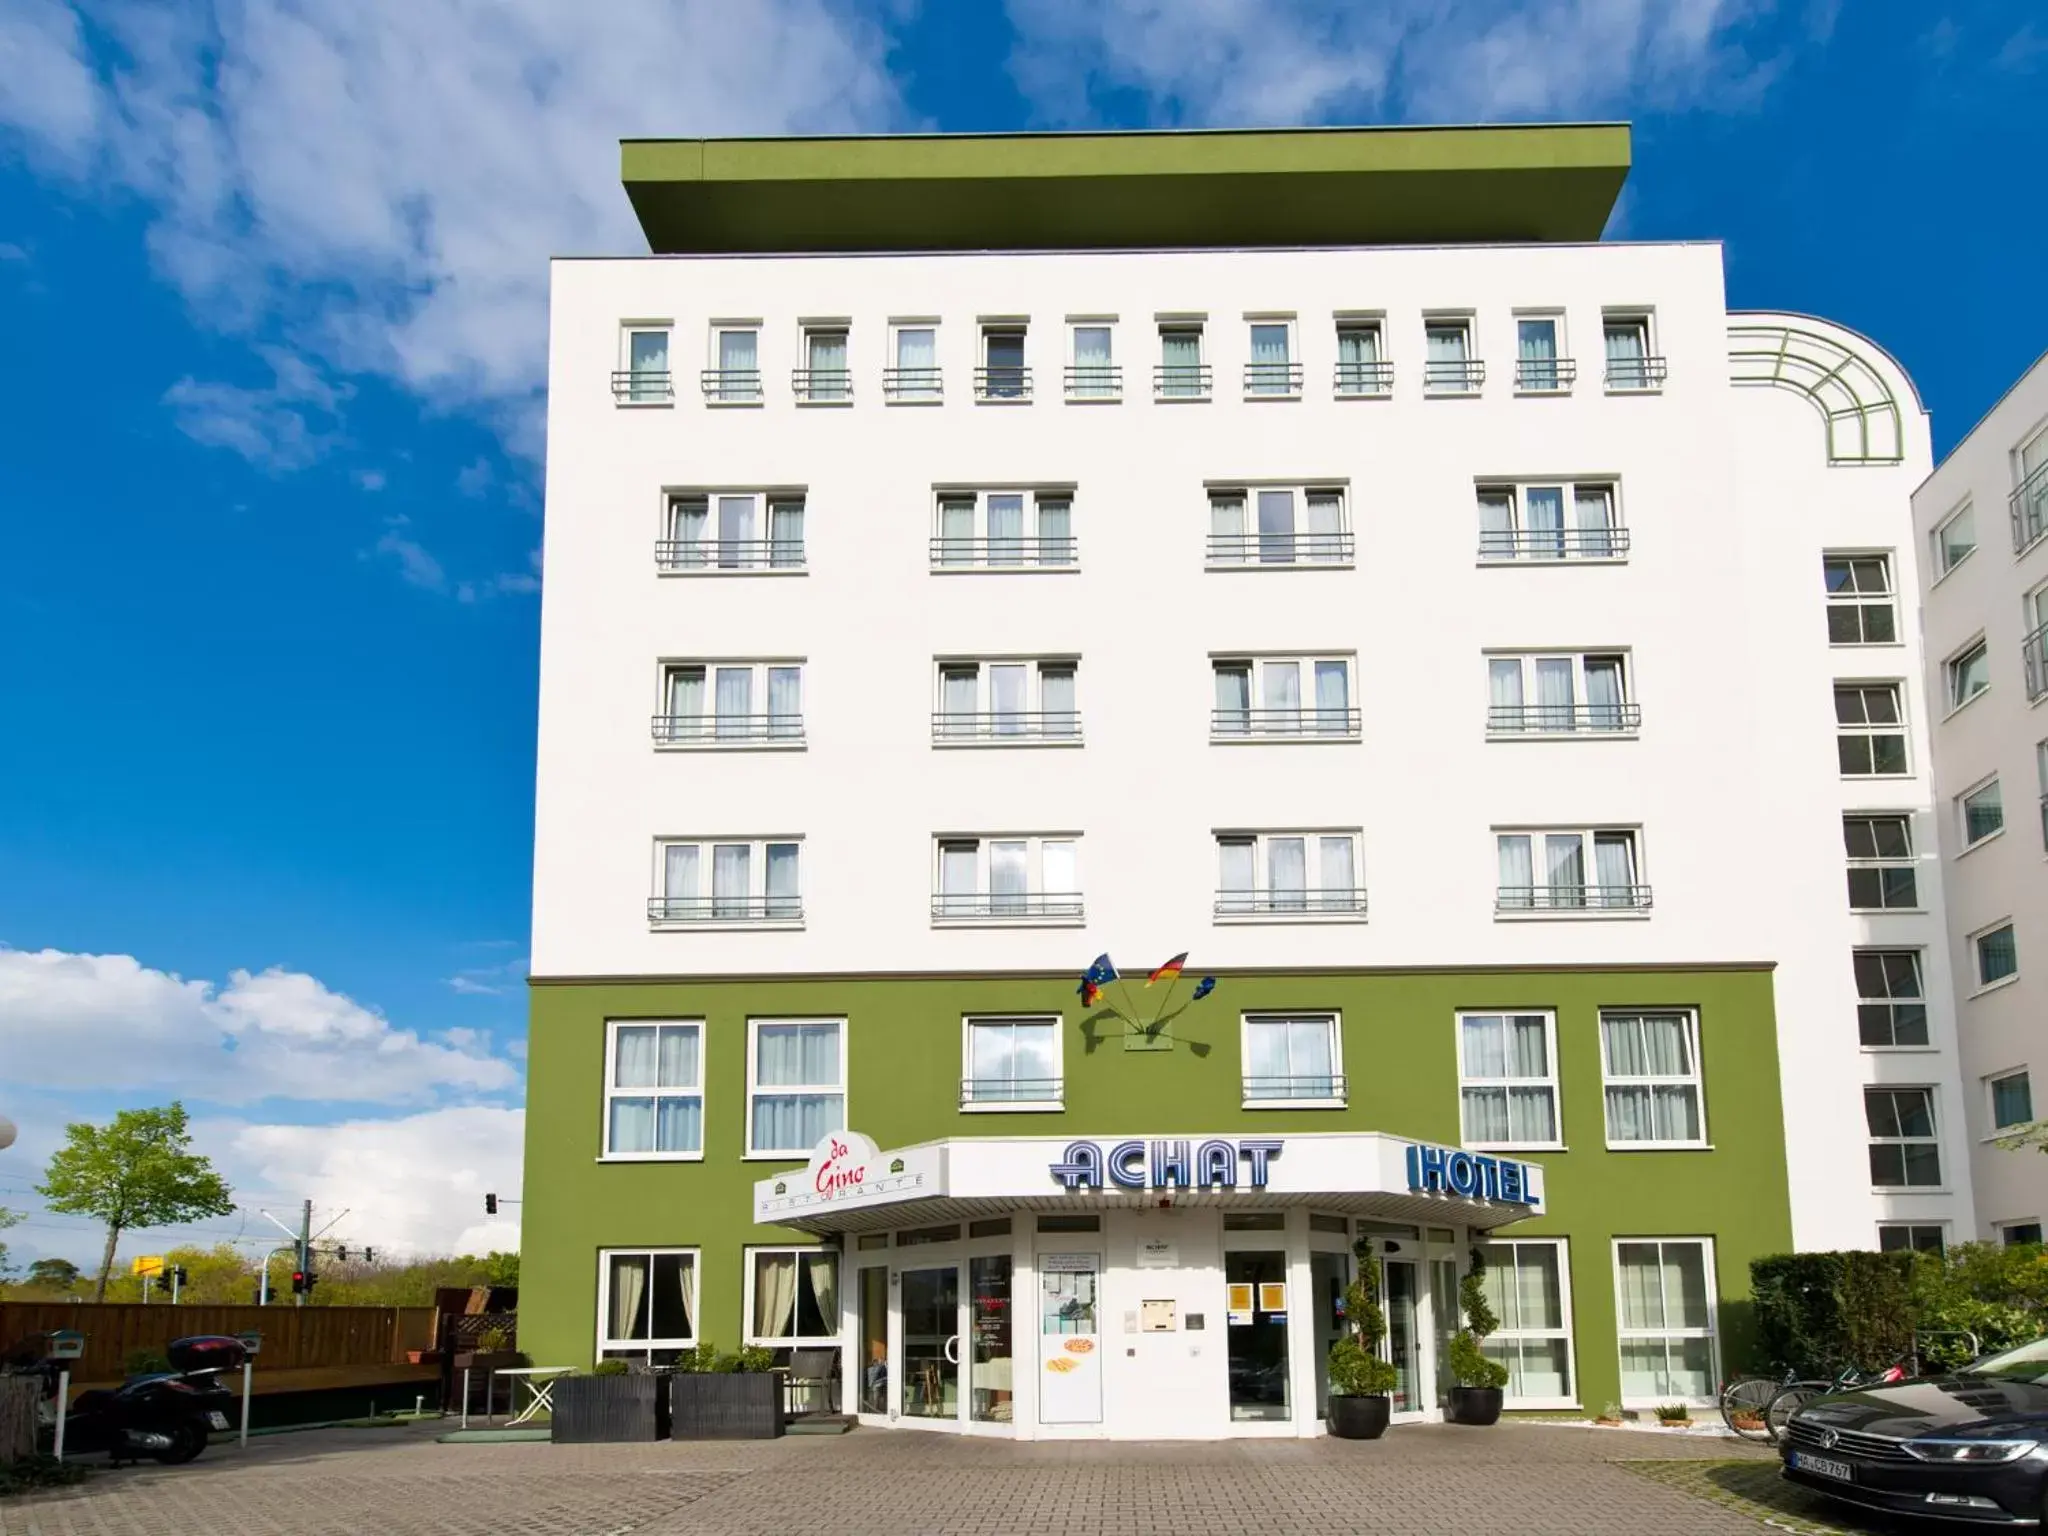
161	1416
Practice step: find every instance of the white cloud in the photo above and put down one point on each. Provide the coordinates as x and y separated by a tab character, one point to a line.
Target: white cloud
415	565
272	428
370	479
475	478
51	94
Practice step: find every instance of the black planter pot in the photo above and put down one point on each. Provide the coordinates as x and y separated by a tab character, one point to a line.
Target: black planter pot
726	1406
1474	1405
1358	1418
590	1409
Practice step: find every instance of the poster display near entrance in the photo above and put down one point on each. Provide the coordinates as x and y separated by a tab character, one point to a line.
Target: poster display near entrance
1069	1347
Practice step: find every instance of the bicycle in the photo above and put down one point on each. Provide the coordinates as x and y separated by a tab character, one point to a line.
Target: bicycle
1746	1401
1759	1407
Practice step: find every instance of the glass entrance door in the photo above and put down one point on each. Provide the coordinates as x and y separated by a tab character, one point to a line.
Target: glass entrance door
1258	1333
1403	1345
1329	1273
991	1339
931	1342
1443	1306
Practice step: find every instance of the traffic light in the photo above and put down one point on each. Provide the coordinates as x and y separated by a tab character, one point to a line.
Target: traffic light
369	1255
301	1282
490	1205
341	1254
162	1279
184	1275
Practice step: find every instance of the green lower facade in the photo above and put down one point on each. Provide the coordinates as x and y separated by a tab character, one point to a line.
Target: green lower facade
1652	1106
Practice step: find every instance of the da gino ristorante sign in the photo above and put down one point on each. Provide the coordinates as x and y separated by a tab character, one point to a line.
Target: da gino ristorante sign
848	1170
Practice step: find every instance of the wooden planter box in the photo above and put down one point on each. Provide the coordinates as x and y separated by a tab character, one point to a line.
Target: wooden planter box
719	1406
590	1409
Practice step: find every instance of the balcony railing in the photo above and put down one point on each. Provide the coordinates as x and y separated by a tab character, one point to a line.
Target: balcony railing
2044	823
1095	381
1562	719
1453	376
968	554
1329	1085
1005	906
725	909
1010	725
1572	898
729	554
643	386
731	385
1307	723
1276	379
2034	656
1290	903
1553	543
1625	374
1546	375
2029	503
1010	1090
913	383
727	730
1281	548
822	384
1181	381
1364	379
1005	381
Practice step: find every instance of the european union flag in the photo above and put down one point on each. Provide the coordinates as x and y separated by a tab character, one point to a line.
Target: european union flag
1204	987
1102	973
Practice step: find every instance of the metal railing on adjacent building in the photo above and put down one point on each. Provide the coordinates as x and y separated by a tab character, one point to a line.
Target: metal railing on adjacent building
1010	1090
1181	381
1272	379
734	386
1005	381
725	909
2029	504
2034	658
712	554
1281	548
1572	898
1328	1085
1561	719
1094	381
1546	375
1307	722
641	386
1290	903
1553	543
822	384
1636	373
1453	376
965	554
1008	726
1364	379
713	730
1001	906
913	383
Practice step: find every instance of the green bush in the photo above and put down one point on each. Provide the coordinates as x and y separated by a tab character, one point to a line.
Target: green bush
39	1471
610	1368
145	1362
1355	1366
707	1360
1468	1362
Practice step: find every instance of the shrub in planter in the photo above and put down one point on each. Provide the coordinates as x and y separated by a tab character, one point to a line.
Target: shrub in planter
725	1396
610	1404
1477	1396
1674	1415
1361	1383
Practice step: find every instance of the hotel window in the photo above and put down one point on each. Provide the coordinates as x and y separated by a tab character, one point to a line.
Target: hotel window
1288	875
1967	674
646	1304
1289	525
913	373
723	531
1507	1080
1632	362
736	882
1093	373
1541	366
1274	371
1570	871
2034	646
2030	491
2012	1100
1982	813
792	1296
796	1084
1650	1064
1903	1151
1002	374
999	703
1955	539
1011	1063
654	1090
1891	1004
1529	522
1528	1283
1871	732
642	377
1448	366
1363	371
1292	1060
826	377
734	375
1911	1237
1665	1295
1996	955
1262	699
1860	599
2012	1232
731	704
1881	874
1007	880
1004	530
1562	695
1181	374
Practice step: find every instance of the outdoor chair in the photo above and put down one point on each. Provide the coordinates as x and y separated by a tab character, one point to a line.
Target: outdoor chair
815	1373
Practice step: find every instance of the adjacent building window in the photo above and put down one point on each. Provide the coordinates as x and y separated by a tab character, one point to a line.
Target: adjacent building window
1911	1237
1278	525
1303	698
913	374
734	376
1541	368
792	1296
2034	645
1568	870
1002	374
2041	777
1528	1282
1903	1151
2030	491
1507	1080
796	1083
826	376
646	1304
1871	731
1967	674
1004	530
1449	367
654	1089
1011	1063
1881	873
2012	1100
1288	874
1094	374
1955	539
642	377
1665	1303
1568	521
1983	813
731	703
1632	363
2012	1232
1273	369
732	531
1996	954
1362	367
1861	609
1559	695
706	881
1007	702
1650	1063
1891	1004
1181	374
1292	1058
1007	880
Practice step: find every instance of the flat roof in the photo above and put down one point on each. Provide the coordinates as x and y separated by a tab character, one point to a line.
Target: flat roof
1144	190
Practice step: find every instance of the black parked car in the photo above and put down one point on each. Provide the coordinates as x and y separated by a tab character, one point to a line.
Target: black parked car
1970	1445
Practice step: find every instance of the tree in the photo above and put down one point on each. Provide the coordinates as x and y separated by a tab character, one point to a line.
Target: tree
138	1172
55	1274
7	1219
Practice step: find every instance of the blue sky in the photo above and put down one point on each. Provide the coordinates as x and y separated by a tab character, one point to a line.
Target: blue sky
272	300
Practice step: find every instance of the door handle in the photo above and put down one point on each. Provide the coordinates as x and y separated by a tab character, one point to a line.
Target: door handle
951	1349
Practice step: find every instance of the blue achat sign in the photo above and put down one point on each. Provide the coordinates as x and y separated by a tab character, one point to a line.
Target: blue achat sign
1165	1164
1473	1175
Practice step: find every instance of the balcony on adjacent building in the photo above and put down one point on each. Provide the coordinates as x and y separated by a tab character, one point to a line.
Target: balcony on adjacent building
1562	719
1321	1088
715	730
1298	903
1608	543
724	909
1007	907
1321	548
731	386
1453	376
1181	381
1014	727
1305	723
1364	380
901	384
1095	381
643	386
2029	506
822	386
1564	899
1272	380
997	1092
1545	375
1635	375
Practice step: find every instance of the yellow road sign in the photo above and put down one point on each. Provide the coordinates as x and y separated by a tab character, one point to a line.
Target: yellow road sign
148	1264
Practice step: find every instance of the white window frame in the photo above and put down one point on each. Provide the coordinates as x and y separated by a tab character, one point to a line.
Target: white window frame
1260	904
1910	859
1018	391
985	726
1650	381
759	731
980	557
1695	1079
718	390
661	390
1302	549
607	1153
1204	384
1471	382
784	1090
764	555
757	885
1952	672
1933	1139
982	912
1891	1001
1977	791
1991	1082
752	1251
1568	544
1380	384
1309	725
926	392
969	1022
1506	1335
1711	1332
1507	1085
1871	731
1855	598
1332	1019
1938	1228
2030	499
1106	391
840	391
1975	941
610	1348
1939	539
1563	366
1502	727
1542	907
1256	387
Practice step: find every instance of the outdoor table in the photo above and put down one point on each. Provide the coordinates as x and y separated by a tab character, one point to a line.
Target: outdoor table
540	1381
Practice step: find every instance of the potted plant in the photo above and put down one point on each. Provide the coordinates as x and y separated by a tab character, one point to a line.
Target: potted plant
1361	1383
725	1396
1476	1397
1610	1416
612	1403
1674	1416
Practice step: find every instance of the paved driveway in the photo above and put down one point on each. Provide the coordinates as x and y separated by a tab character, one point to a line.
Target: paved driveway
1522	1479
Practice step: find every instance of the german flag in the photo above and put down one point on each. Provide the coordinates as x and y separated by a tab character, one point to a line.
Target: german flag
1088	991
1169	971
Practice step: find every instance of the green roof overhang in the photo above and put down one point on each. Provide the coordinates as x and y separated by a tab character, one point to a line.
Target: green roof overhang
1098	191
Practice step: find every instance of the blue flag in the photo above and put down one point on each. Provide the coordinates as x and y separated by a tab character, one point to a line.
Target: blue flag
1102	973
1204	987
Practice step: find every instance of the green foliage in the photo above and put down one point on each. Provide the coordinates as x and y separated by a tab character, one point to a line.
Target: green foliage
389	1283
33	1472
1480	1321
1674	1413
7	1219
492	1340
53	1274
707	1360
699	1361
610	1368
1998	1293
144	1362
1468	1363
1355	1366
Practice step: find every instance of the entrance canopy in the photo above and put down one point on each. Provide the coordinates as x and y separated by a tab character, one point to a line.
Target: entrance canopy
851	1185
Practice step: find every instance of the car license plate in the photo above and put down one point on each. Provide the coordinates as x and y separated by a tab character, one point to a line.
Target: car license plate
217	1420
1824	1466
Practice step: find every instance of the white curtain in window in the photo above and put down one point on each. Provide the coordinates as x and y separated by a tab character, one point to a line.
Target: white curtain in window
731	865
737	352
637	1058
827	355
1486	1114
1614	866
1286	871
1528	1051
1325	526
1339	879
1543	507
679	871
1033	1048
1059	868
1554	689
1624	350
1593	515
1564	869
735	701
1008	882
681	1124
735	531
1091	360
1233	698
629	1290
1504	692
774	1295
1180	356
1446	343
1603	691
1333	695
959	688
1269	344
632	1126
795	1121
1056	701
1536	340
1485	1046
688	523
1276	527
1281	684
1358	346
1497	525
1266	1051
796	1055
821	1276
917	348
1235	863
785	701
649	352
1641	1284
686	701
1226	527
784	893
1517	870
1055	530
958	868
956	531
786	534
1308	1051
1007	689
678	1063
1005	529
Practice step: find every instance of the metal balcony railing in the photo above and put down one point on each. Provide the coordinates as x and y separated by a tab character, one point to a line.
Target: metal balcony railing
819	384
725	909
1005	381
1364	379
2044	823
638	386
1308	723
1001	906
1009	725
2034	657
1572	898
2029	503
1453	376
1272	378
1280	548
966	554
1553	543
1562	719
1290	903
734	385
720	730
1010	1090
728	554
1329	1085
1636	373
1095	381
1181	381
913	383
1546	375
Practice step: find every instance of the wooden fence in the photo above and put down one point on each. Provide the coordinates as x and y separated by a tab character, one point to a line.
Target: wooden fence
294	1338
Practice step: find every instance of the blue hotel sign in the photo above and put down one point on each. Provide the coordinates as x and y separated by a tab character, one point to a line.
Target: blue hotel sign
1167	1164
1471	1175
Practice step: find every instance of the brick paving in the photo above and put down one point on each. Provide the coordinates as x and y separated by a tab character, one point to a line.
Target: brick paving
1523	1479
